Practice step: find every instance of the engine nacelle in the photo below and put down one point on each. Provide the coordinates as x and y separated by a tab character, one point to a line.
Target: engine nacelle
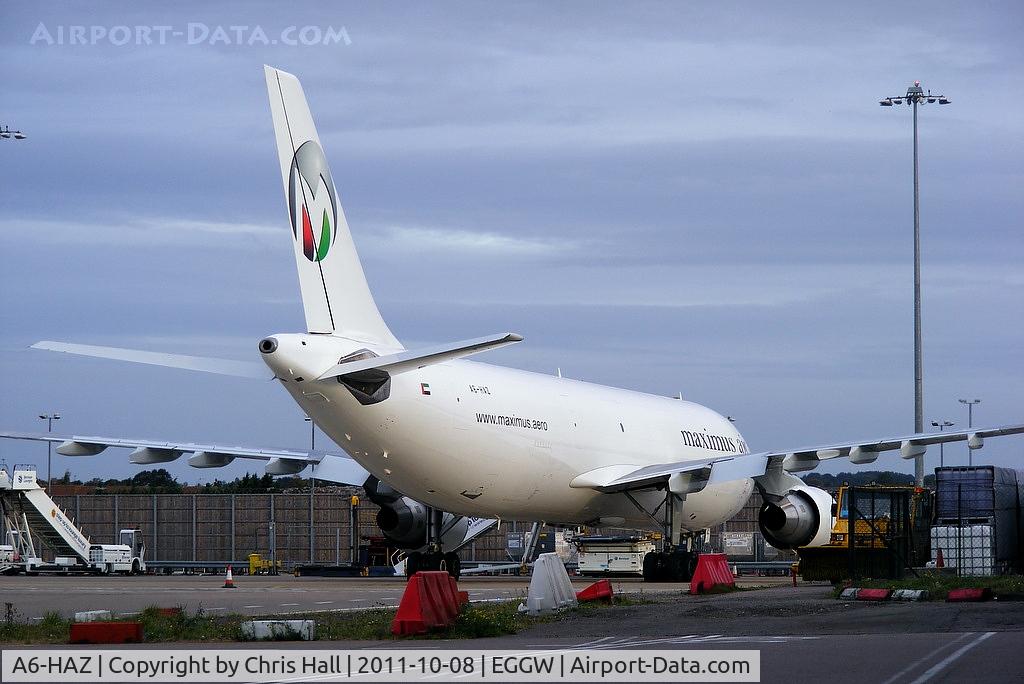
802	517
404	521
401	519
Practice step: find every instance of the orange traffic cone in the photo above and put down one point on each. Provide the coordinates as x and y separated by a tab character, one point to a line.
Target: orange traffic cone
939	563
229	582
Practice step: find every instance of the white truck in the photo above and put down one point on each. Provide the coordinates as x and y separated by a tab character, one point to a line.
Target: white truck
9	559
128	557
612	555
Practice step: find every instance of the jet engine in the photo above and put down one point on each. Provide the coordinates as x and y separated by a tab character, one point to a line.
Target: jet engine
404	521
801	517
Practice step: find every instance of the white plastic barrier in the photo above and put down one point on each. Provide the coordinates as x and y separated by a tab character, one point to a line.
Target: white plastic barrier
304	630
910	595
550	588
92	616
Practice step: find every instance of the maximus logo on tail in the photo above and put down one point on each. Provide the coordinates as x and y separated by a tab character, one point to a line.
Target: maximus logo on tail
310	181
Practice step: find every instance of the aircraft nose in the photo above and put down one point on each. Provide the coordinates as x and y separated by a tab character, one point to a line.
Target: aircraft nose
268	345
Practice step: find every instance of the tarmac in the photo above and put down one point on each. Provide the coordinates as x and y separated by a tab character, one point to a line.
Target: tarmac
34	597
802	633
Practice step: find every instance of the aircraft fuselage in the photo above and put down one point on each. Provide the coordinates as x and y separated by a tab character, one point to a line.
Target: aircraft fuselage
485	440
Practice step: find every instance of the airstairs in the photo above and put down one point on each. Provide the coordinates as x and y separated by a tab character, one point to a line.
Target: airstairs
29	514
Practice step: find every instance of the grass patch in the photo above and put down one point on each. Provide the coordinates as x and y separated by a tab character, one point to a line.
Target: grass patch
185	626
938	586
476	621
52	629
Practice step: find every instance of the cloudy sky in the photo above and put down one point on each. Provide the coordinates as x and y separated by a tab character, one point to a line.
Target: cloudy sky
697	198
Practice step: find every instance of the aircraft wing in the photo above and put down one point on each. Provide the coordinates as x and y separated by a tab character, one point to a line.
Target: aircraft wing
326	466
694	475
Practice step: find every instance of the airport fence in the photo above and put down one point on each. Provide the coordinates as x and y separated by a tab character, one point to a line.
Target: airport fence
295	528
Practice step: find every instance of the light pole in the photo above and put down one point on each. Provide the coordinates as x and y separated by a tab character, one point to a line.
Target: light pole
6	134
916	96
942	453
970	423
312	447
49	418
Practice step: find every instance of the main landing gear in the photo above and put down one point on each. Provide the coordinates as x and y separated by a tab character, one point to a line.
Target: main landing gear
677	560
433	560
434	557
675	564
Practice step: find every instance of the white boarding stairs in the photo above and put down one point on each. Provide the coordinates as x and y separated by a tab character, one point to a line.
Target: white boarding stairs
24	498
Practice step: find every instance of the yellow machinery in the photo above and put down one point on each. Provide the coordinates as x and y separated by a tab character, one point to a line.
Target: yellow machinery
890	534
258	565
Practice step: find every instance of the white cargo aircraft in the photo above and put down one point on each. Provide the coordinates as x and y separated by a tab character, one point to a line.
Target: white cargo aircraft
481	440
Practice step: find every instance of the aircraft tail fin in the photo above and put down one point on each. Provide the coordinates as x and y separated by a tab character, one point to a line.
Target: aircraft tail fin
335	295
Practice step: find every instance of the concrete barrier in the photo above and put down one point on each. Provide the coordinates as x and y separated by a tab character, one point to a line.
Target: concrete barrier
849	593
105	633
550	588
962	595
431	600
910	595
601	590
712	571
93	616
279	630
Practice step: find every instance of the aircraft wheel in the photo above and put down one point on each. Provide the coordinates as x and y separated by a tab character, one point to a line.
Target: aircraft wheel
453	564
433	561
413	564
654	569
690	566
674	567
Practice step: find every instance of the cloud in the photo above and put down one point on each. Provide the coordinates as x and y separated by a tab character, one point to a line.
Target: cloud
147	231
404	240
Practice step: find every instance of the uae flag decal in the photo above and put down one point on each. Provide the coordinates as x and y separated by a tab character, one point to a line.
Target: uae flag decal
425	388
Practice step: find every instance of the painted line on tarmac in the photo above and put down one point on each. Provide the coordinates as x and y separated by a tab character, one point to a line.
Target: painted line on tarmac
920	661
252	606
583	645
950	659
285	605
322	603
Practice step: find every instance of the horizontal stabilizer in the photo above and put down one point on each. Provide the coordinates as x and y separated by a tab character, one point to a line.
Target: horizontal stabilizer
241	369
418	358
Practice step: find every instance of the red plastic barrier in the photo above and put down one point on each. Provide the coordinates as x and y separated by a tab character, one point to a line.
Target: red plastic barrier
712	570
432	599
598	591
958	595
874	594
106	632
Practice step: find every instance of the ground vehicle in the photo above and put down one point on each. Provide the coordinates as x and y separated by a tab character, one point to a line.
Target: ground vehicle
128	557
890	533
612	555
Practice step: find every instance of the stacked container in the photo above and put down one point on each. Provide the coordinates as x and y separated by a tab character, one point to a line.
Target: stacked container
979	521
